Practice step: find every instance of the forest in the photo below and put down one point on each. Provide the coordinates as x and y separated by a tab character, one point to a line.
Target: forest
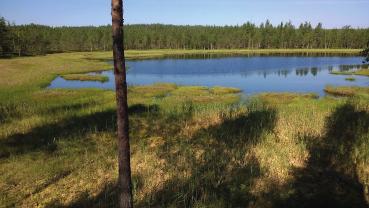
32	39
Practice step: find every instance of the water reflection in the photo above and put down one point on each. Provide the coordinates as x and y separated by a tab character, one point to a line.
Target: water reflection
352	67
283	72
305	71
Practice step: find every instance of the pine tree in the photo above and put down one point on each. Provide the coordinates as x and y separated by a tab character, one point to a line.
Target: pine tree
124	163
5	39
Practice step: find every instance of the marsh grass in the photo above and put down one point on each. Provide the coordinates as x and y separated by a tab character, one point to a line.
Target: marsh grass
191	146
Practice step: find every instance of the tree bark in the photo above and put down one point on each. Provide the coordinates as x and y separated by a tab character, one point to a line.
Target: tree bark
124	178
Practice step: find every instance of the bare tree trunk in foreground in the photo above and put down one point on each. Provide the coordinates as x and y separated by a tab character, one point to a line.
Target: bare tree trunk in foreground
124	178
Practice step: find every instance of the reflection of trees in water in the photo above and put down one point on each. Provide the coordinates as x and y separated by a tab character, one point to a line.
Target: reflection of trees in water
353	67
305	71
314	71
302	71
283	72
330	68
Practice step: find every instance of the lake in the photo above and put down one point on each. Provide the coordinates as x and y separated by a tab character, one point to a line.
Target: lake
253	74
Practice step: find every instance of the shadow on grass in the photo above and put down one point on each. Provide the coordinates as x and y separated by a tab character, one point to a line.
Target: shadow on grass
107	198
44	138
330	178
218	174
67	107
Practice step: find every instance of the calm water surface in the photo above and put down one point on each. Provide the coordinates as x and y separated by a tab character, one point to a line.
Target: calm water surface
251	74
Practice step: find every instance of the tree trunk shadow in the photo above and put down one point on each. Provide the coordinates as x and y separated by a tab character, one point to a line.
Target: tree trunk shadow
45	137
219	175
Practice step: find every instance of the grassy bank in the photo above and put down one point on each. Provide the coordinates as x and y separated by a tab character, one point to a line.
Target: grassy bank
136	54
191	146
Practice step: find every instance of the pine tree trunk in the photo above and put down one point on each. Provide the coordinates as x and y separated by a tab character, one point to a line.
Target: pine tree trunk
124	177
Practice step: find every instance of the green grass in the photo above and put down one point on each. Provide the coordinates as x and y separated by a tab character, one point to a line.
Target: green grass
191	146
85	77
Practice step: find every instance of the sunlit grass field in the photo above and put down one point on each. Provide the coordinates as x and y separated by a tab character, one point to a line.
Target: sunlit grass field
191	146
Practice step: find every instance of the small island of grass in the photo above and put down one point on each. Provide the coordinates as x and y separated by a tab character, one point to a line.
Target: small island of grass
351	79
86	77
347	91
225	90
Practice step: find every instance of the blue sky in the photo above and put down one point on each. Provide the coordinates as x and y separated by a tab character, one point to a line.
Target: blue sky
332	13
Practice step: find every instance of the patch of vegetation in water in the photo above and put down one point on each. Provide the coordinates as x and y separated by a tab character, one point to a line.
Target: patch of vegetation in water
286	97
225	90
351	79
347	91
85	77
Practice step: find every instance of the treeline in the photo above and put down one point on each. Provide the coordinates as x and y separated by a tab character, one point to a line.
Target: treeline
38	39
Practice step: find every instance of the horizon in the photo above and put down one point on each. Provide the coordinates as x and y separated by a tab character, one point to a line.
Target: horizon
331	13
187	25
